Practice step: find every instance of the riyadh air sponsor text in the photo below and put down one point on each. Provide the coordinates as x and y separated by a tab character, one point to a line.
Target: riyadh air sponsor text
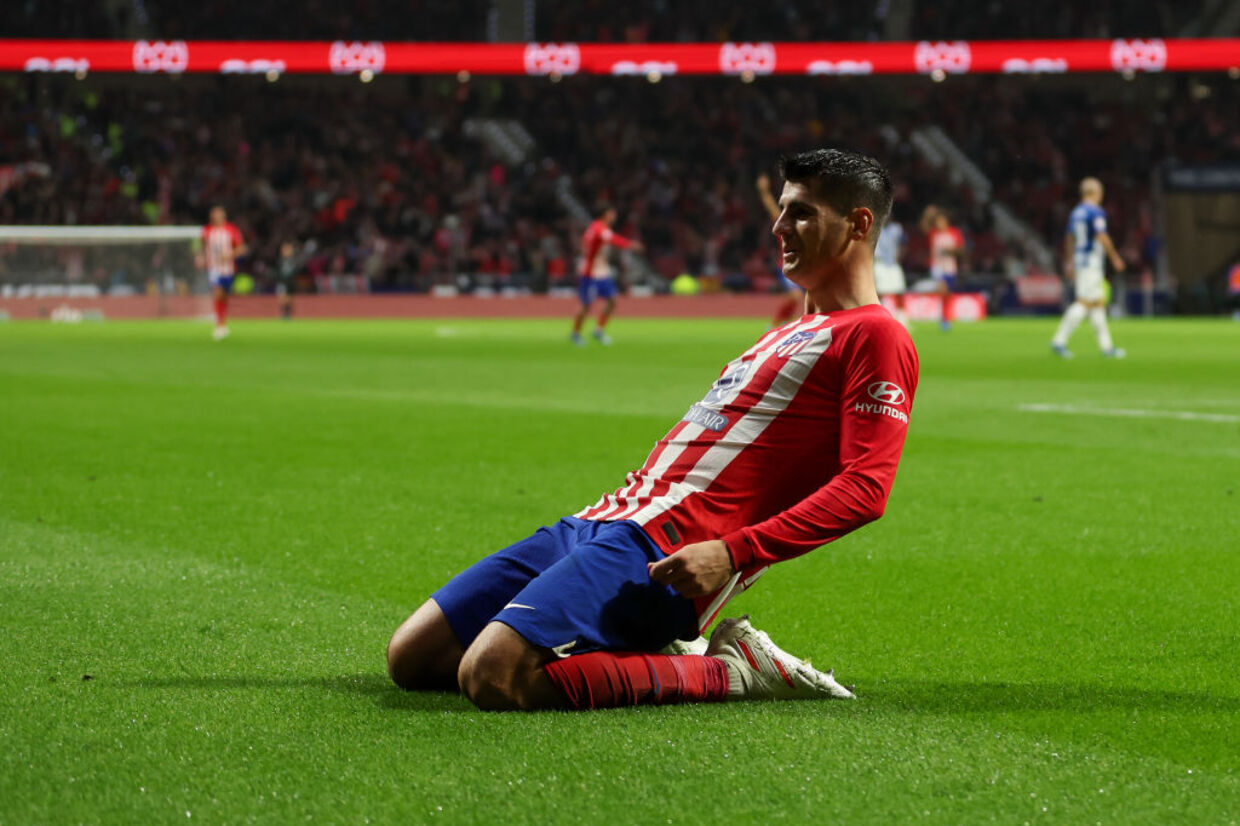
707	418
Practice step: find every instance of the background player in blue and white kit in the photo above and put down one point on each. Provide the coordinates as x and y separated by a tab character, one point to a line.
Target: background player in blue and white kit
1086	242
888	274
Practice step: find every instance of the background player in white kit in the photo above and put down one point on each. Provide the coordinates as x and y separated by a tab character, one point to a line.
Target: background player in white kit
1086	241
888	274
222	245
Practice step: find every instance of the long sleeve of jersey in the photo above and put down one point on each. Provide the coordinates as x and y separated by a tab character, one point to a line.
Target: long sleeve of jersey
879	377
618	241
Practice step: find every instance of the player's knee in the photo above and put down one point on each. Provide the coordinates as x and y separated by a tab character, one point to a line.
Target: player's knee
489	680
423	653
402	661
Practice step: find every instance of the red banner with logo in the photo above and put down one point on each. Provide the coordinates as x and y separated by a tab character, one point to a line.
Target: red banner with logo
929	306
938	58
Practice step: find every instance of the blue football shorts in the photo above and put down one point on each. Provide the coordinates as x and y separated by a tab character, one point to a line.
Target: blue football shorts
948	278
572	587
589	288
224	282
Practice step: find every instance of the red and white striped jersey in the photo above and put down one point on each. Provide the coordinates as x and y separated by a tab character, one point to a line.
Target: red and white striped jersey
795	444
942	241
218	245
594	243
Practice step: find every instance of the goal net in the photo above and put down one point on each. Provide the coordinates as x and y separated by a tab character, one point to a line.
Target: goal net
95	261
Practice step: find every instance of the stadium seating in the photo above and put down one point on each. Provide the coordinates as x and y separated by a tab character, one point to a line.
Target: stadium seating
364	179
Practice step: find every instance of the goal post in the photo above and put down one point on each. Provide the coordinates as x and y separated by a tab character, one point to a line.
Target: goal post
74	263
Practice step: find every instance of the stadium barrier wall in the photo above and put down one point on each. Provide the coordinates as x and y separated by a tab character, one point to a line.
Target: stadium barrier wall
966	307
389	306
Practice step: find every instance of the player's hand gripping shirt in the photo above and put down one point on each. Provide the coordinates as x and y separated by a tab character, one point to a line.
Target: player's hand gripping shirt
795	445
594	242
218	244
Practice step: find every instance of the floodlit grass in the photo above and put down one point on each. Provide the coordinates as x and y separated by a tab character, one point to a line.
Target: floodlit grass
204	548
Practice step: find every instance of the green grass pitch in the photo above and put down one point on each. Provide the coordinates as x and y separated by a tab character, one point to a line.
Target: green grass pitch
1043	628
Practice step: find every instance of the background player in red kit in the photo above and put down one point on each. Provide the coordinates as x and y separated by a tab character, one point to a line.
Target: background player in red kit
946	250
222	245
795	445
596	278
793	303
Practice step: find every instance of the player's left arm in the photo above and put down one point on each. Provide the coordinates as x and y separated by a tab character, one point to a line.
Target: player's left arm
1109	248
871	440
957	251
620	242
239	249
879	380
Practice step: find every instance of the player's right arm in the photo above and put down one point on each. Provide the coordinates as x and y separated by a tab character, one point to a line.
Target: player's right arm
768	199
1069	255
200	257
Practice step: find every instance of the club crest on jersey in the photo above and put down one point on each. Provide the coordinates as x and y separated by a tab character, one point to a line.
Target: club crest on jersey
795	343
728	383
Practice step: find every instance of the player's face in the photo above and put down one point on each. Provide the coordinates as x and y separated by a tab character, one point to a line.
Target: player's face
217	216
811	233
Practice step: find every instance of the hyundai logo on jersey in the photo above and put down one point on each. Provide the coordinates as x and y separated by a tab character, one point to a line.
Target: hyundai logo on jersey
885	391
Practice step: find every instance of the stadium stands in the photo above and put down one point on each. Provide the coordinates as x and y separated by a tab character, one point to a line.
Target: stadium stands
599	20
386	180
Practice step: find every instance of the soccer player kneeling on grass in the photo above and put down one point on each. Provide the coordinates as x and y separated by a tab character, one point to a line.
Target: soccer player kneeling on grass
795	445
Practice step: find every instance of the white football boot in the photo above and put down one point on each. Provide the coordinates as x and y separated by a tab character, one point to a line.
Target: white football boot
681	647
758	669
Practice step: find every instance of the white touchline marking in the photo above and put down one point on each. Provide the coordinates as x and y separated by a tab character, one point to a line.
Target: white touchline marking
1181	415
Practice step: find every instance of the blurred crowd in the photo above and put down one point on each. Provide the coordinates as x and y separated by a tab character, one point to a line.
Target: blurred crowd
329	177
636	21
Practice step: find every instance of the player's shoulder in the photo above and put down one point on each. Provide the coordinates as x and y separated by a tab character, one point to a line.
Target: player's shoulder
873	325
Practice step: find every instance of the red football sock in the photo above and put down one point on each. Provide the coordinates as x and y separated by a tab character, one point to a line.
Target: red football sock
602	320
221	311
608	679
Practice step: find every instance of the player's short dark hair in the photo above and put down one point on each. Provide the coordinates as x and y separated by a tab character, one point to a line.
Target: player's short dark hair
845	180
